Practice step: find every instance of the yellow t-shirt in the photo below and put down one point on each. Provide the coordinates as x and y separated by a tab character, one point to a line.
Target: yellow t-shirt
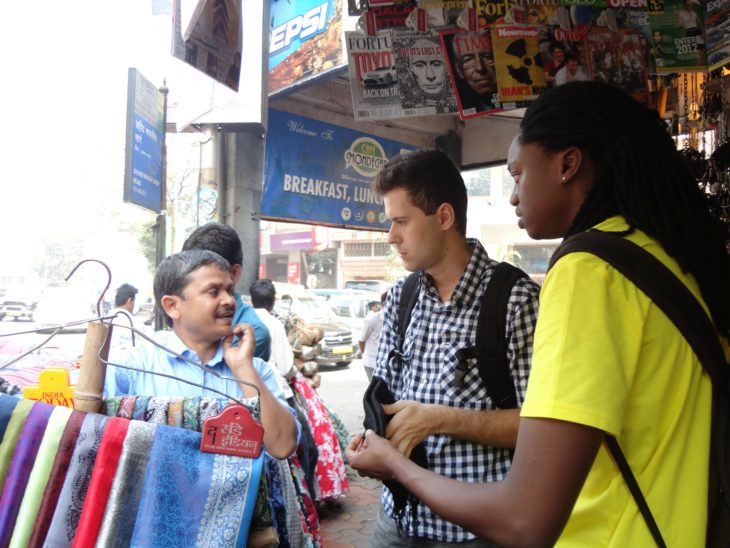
607	357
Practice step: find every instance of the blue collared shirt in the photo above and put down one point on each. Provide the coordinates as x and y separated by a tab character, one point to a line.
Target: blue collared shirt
246	314
150	358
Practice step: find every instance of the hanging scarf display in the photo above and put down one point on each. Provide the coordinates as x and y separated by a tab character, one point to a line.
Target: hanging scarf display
6	410
20	467
12	433
56	478
126	491
205	497
38	478
105	468
73	493
331	473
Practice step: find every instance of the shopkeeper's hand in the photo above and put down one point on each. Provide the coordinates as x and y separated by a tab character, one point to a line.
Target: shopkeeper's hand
240	356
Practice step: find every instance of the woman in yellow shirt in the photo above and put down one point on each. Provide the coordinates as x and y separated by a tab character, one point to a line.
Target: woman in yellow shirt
606	360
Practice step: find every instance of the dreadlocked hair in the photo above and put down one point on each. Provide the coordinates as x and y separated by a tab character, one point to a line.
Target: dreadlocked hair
639	174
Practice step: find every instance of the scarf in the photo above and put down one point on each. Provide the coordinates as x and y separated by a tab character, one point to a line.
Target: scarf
73	493
206	497
56	478
12	433
7	404
20	467
39	476
126	491
105	468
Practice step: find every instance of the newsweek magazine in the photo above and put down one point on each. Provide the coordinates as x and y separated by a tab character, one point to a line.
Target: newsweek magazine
518	63
470	61
423	78
373	77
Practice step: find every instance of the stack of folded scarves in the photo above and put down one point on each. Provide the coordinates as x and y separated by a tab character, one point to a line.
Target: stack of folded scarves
70	478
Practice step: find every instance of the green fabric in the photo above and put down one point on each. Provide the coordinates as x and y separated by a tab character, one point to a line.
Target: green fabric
12	433
39	476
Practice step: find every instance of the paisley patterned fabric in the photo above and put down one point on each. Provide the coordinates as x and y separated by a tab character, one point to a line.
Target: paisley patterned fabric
206	497
121	508
126	407
71	500
20	467
175	412
156	411
102	477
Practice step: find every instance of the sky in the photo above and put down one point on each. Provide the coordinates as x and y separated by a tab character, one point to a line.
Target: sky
63	100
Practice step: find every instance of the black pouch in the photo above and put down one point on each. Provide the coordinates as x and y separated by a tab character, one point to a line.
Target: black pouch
378	393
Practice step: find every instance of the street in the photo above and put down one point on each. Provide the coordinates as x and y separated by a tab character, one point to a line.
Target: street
342	390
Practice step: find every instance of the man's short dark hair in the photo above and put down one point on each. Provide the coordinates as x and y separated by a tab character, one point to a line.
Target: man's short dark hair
430	178
173	273
124	293
219	238
263	294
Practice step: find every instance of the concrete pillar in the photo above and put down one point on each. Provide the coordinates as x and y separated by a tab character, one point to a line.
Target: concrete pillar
243	164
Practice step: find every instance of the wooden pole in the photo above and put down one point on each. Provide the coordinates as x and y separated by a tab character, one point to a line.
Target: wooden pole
88	393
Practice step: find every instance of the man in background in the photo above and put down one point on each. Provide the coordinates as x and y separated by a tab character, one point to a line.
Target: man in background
124	301
370	335
222	239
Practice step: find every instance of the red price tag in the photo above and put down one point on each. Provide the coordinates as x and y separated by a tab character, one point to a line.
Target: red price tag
232	432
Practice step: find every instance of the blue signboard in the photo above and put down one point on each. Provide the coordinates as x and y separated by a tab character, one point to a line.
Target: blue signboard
145	137
320	173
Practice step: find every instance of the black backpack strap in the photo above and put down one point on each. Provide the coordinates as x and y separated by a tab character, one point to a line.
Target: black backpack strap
491	343
633	485
685	312
408	298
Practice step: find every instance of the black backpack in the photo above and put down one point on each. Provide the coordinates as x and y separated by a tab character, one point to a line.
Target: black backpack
491	348
681	307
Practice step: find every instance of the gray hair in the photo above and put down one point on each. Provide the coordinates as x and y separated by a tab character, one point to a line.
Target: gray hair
173	273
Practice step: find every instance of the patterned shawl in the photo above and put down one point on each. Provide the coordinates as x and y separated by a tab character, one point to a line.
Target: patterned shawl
102	477
71	500
55	480
206	497
121	508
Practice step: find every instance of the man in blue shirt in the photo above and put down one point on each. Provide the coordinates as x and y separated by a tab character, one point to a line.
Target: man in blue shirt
194	289
224	240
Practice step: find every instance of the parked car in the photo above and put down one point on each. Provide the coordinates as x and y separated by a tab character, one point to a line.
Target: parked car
337	347
59	306
353	307
15	311
368	285
381	75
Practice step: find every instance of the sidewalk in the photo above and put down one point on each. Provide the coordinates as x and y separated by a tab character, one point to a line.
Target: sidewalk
348	522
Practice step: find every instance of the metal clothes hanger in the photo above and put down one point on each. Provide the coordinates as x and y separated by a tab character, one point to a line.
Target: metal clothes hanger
188	360
68	324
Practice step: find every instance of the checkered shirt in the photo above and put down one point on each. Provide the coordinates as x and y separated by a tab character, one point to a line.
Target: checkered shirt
425	373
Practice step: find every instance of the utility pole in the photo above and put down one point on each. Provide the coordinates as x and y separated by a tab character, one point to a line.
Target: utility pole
160	225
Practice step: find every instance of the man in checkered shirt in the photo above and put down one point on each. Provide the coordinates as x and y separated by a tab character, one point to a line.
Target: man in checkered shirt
466	436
